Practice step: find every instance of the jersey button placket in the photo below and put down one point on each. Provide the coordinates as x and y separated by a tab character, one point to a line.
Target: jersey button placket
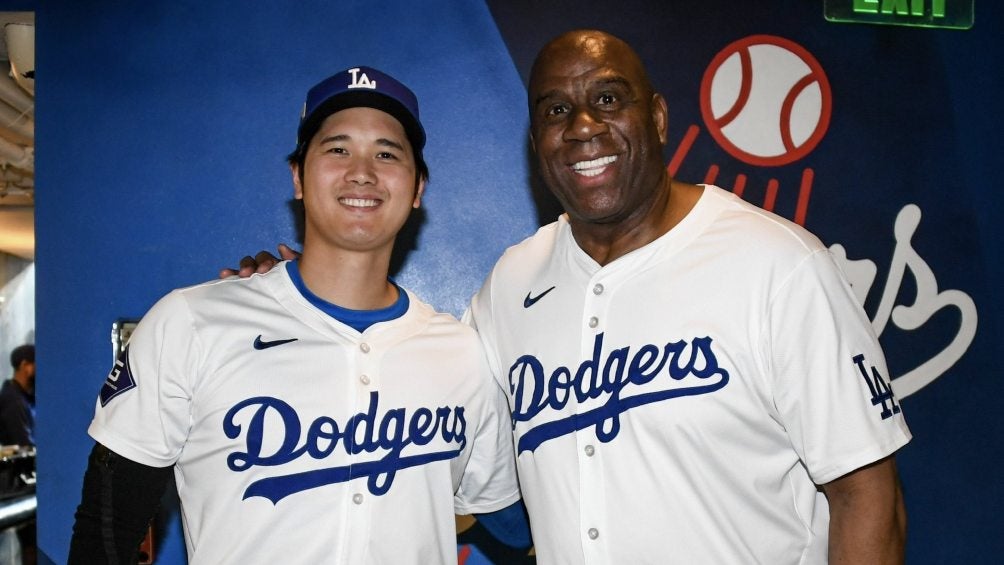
359	525
593	506
594	304
366	359
367	374
364	384
591	473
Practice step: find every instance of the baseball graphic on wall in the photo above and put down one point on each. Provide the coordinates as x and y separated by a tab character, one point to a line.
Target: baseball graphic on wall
766	100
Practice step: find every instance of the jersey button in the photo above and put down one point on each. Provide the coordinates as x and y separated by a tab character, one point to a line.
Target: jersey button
364	379
357	498
364	347
590	450
593	533
598	289
594	321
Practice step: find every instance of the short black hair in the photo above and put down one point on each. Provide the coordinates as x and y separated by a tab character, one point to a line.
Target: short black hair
299	154
22	353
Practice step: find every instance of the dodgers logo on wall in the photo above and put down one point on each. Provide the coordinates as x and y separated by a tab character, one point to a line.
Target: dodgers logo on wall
767	102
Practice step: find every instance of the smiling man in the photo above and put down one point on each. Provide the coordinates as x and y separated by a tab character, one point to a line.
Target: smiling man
690	376
318	412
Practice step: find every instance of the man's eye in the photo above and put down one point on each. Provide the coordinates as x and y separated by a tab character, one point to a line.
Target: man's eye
337	150
386	155
556	110
607	98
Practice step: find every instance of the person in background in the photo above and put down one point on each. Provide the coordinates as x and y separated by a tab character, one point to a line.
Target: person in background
17	435
17	399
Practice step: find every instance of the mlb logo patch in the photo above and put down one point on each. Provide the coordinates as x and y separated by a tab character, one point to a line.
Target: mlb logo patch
119	380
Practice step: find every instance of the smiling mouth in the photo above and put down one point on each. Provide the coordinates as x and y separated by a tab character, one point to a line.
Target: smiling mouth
359	202
594	167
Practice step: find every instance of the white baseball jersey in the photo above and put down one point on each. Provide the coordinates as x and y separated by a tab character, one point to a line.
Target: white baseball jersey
680	404
295	437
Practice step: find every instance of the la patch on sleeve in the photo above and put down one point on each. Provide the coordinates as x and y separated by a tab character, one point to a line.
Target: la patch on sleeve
119	380
881	392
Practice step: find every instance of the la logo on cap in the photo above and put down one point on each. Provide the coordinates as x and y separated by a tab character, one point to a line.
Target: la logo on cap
360	80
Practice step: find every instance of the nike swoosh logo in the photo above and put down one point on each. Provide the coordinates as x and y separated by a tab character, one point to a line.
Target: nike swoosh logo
259	344
530	301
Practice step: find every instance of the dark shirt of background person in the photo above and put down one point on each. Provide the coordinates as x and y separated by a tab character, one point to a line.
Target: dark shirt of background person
17	399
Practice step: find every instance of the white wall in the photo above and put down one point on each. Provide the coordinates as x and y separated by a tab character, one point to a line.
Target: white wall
17	306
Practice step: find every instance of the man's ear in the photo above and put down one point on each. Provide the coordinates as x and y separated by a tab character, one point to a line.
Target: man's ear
294	168
660	116
419	191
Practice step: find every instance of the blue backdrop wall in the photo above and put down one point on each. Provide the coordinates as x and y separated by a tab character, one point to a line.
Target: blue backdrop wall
162	128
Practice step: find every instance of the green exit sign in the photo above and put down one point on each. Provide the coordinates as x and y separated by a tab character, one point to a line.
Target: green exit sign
954	14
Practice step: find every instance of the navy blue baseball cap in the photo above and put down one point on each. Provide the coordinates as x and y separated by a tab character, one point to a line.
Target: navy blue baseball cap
366	87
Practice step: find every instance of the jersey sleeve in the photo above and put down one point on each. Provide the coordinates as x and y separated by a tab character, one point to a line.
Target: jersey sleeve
479	316
489	480
828	374
143	412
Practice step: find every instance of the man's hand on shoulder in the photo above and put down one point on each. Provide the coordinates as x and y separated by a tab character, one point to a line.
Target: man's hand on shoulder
260	263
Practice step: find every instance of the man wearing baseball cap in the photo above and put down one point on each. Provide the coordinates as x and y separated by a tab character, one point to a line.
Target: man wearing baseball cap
318	412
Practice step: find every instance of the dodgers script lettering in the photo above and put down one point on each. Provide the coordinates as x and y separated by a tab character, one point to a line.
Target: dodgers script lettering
389	434
534	390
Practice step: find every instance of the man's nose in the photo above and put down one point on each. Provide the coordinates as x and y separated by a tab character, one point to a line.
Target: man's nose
361	172
585	124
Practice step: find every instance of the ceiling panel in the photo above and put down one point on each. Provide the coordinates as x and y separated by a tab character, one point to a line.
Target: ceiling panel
17	134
